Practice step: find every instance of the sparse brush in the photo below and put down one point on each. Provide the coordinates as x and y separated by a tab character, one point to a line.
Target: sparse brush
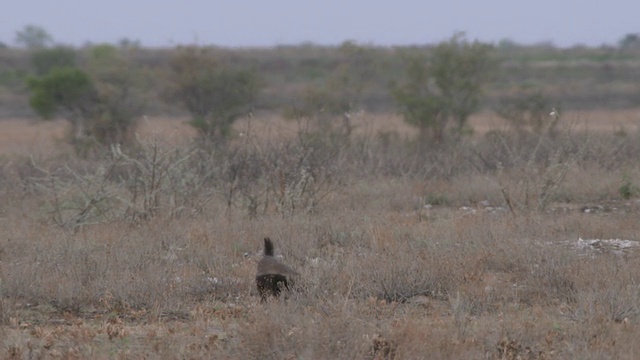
529	177
163	259
76	198
160	179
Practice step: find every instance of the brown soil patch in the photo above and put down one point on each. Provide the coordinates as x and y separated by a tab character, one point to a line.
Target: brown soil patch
31	137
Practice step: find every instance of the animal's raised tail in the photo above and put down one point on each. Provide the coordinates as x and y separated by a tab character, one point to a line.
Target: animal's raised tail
268	247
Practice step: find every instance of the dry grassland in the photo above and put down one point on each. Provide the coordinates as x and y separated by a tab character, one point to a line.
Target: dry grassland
20	136
439	255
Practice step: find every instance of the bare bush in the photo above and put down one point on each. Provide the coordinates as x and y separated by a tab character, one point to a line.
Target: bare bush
160	180
530	170
77	199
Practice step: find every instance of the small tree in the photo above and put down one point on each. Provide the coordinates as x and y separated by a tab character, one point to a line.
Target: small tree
418	100
460	70
102	104
44	60
214	94
528	110
69	92
341	93
445	89
630	42
33	37
126	43
118	87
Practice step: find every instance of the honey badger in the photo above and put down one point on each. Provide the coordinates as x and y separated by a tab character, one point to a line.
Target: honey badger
272	275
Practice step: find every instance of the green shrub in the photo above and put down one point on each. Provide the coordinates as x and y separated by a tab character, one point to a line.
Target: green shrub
33	37
214	94
444	90
529	110
628	189
66	91
44	60
102	104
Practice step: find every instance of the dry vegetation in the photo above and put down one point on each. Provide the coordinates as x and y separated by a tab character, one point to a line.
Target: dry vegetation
468	250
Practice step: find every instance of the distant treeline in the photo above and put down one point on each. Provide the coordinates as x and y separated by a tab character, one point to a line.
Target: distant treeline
576	78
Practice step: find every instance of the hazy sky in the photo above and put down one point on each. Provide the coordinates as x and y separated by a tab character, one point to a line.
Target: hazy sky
272	22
